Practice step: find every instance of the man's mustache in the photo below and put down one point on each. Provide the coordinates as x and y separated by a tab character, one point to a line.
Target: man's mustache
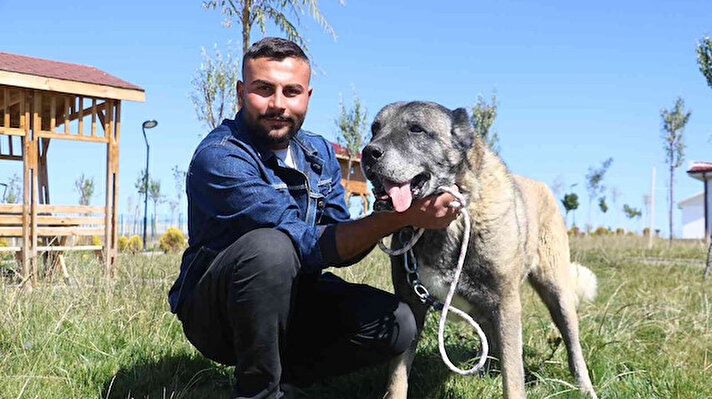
278	117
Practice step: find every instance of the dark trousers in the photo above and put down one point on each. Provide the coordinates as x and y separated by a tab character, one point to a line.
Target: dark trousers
253	309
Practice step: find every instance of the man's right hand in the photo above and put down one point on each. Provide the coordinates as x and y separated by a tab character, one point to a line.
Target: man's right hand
433	212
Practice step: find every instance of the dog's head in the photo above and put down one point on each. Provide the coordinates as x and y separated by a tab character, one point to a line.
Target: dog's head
415	148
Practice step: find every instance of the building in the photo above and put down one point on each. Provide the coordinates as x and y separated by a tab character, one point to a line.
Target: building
356	183
696	217
693	216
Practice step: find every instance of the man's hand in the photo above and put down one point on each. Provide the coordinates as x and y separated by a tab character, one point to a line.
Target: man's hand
356	236
433	212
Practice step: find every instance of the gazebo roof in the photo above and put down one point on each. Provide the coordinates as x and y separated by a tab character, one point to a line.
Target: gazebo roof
343	152
700	170
42	74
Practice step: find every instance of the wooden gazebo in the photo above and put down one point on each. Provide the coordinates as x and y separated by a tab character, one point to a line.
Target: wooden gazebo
355	184
41	100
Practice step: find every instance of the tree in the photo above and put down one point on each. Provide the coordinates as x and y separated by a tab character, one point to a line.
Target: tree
85	187
482	118
13	191
247	13
615	194
351	124
602	204
154	192
673	125
594	184
141	182
570	203
214	96
179	181
704	59
141	185
631	212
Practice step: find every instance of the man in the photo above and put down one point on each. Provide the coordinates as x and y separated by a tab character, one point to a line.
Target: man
266	214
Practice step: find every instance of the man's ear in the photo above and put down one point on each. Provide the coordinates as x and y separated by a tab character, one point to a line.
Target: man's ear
240	88
463	135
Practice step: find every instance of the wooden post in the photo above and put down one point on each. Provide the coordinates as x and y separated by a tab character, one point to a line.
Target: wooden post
115	205
34	147
80	121
110	185
27	179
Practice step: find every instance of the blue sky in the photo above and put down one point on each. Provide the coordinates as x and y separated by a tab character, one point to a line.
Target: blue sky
576	82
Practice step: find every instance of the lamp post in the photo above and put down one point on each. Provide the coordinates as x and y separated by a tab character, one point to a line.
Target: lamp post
150	124
4	191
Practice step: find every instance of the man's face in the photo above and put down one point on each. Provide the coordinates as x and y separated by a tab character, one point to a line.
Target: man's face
274	97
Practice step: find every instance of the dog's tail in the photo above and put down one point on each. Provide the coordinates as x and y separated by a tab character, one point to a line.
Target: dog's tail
585	281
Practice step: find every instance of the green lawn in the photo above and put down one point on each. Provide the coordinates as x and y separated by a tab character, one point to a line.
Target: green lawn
647	335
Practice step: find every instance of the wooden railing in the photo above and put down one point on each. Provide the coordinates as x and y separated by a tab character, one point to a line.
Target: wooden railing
55	220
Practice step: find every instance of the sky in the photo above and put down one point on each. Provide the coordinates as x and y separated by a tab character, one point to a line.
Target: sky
576	82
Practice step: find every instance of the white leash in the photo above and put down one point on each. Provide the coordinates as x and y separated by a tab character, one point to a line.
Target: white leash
425	296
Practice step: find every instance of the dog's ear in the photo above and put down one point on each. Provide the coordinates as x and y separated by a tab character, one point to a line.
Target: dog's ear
463	135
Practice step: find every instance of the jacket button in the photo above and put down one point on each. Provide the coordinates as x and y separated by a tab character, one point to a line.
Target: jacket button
320	202
316	167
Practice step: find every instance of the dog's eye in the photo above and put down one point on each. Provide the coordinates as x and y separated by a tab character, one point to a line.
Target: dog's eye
375	127
415	129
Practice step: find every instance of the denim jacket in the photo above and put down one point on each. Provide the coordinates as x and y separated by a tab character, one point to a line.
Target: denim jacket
234	185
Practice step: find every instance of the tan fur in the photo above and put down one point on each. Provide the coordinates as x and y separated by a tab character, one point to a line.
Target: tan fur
517	233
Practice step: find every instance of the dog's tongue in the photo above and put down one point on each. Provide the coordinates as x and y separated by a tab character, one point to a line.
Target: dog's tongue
399	193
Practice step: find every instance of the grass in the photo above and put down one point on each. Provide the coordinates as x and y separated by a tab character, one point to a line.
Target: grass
647	335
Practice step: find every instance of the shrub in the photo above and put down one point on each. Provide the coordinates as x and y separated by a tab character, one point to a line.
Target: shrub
123	243
620	231
601	231
135	244
96	240
3	243
172	240
646	231
574	230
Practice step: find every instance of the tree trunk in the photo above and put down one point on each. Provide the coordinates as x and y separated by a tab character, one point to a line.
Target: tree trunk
246	25
589	226
566	219
672	169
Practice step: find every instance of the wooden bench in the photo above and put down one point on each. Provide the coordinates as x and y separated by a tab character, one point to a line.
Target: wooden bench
50	231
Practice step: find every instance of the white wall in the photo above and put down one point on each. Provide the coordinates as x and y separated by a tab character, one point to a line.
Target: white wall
693	219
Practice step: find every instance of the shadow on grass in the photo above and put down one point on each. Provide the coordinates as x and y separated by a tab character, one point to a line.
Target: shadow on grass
187	377
182	376
428	377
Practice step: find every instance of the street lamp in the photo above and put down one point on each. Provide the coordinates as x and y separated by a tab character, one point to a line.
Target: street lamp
150	124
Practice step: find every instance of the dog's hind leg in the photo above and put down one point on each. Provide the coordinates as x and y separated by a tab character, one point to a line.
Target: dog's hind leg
554	288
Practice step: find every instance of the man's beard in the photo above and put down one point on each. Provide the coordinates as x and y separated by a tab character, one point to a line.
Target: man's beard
262	134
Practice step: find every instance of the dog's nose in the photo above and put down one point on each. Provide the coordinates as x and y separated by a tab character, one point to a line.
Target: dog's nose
372	151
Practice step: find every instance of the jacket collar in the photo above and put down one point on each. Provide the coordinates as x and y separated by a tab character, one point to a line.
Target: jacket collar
241	132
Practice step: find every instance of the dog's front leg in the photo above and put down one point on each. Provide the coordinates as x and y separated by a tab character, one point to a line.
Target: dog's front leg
400	369
400	365
509	328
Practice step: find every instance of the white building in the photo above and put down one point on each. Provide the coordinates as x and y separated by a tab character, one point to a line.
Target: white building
696	217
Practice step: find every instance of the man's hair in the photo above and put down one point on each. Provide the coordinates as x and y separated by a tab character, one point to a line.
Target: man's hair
274	48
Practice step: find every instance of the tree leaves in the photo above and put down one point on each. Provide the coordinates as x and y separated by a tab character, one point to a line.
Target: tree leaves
482	118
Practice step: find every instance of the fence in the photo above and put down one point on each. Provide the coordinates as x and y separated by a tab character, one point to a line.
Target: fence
129	225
